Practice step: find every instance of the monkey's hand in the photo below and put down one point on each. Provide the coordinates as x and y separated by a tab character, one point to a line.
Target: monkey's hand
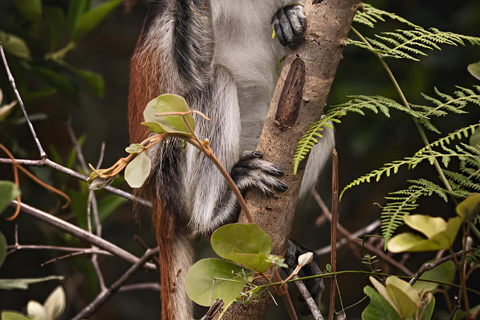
253	172
315	285
289	24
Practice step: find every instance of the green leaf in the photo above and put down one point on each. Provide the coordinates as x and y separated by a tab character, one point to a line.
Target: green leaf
469	208
29	9
14	45
426	309
55	303
379	308
168	103
138	170
91	19
8	192
211	279
61	83
134	148
409	242
93	80
440	234
444	273
12	315
246	244
76	9
404	297
474	69
9	284
55	23
427	225
3	248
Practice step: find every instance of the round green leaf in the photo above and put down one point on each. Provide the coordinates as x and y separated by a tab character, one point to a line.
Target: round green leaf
3	248
444	273
138	170
134	148
469	208
12	315
427	225
246	244
211	279
29	9
379	308
8	192
474	69
168	103
409	242
91	19
404	297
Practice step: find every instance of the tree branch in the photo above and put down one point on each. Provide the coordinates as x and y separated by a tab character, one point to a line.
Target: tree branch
314	65
82	234
104	295
49	163
43	155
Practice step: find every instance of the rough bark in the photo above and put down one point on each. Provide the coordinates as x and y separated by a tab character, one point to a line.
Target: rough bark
299	99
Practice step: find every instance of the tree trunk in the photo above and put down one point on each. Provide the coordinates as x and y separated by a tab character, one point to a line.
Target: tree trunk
298	101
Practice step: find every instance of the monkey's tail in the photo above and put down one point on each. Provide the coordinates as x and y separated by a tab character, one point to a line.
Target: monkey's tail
176	256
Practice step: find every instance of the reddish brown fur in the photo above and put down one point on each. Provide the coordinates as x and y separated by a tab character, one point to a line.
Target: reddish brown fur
144	86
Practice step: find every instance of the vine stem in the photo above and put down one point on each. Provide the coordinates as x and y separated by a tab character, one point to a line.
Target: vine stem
407	105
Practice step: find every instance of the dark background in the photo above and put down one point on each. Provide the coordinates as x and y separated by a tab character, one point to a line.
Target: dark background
363	142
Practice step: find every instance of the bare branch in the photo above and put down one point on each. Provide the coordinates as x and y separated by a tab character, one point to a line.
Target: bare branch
49	163
107	293
82	234
429	266
351	239
43	155
359	233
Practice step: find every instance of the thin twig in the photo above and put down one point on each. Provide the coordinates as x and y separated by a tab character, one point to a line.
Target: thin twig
93	250
51	164
429	266
154	286
333	234
82	234
360	232
351	239
104	295
43	155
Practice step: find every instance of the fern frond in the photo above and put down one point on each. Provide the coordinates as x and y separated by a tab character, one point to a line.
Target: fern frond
475	256
463	152
458	134
357	104
370	15
402	202
409	44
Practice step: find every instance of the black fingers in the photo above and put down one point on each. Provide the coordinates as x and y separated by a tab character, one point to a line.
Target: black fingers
315	285
289	24
253	172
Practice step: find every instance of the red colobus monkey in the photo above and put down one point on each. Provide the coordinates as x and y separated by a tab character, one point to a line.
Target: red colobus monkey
221	57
